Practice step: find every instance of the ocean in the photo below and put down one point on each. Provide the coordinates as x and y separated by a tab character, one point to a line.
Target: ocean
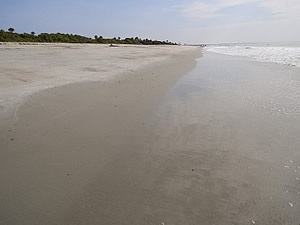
287	53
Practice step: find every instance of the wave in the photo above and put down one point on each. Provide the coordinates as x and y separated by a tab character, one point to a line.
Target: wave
283	55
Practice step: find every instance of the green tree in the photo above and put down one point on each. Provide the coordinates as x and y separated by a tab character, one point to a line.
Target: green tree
12	36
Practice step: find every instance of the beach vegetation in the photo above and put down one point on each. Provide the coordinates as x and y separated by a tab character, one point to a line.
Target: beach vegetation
12	36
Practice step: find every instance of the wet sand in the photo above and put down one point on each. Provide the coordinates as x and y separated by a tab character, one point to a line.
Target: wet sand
219	145
229	136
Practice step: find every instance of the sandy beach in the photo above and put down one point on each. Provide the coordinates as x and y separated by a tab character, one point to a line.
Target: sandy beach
146	135
30	67
57	142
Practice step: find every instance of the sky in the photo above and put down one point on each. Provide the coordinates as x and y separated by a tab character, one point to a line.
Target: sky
185	21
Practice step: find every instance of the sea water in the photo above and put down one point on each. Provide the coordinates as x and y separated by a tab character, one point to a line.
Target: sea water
287	53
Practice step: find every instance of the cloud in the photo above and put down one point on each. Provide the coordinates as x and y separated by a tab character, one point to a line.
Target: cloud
204	10
209	10
283	8
268	20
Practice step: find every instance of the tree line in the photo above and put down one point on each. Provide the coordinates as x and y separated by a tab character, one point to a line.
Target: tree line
11	36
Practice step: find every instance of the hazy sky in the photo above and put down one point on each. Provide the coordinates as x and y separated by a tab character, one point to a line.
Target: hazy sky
188	21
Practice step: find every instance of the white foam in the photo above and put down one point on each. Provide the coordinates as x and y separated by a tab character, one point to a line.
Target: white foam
282	55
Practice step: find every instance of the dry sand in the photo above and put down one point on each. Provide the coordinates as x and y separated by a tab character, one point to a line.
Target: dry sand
28	68
78	154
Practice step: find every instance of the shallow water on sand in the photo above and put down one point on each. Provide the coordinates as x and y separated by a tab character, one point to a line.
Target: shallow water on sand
230	132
